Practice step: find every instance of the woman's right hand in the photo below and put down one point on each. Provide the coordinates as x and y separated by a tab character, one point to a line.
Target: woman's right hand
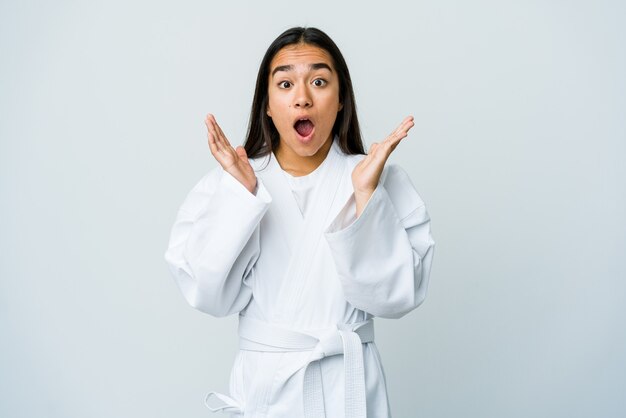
234	161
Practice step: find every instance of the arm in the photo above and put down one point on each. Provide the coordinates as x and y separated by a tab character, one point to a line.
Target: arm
384	257
214	243
215	240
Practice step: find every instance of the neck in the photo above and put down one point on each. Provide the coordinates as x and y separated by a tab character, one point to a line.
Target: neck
297	165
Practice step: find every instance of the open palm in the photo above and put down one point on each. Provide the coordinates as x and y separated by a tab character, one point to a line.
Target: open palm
366	174
233	160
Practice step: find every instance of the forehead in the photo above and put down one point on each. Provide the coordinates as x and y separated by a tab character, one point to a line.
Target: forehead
301	54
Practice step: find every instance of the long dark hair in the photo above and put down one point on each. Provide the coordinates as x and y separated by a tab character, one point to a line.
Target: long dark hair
262	135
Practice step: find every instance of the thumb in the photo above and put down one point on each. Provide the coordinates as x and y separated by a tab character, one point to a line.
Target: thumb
241	152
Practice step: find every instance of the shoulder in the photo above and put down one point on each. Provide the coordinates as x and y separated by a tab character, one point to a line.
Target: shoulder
352	160
401	190
260	163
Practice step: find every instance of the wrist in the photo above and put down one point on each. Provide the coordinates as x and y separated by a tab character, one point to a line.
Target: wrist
361	198
255	188
363	194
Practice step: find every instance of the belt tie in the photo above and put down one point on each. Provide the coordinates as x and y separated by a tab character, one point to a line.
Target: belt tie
346	339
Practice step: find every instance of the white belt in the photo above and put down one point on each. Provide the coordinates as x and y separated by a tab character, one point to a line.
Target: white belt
346	339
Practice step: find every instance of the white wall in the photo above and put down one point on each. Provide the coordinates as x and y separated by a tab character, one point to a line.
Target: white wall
518	152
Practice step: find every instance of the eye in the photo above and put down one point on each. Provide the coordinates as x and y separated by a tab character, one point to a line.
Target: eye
284	84
319	82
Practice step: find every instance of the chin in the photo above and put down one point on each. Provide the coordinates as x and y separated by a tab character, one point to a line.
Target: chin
310	149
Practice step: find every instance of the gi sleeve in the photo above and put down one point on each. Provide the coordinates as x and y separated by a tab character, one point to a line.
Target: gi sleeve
214	243
383	258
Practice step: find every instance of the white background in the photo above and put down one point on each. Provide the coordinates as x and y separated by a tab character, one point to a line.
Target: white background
518	152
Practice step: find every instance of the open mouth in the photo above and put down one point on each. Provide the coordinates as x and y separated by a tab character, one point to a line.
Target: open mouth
304	127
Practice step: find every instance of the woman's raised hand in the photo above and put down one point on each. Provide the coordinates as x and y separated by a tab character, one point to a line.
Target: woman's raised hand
233	160
366	174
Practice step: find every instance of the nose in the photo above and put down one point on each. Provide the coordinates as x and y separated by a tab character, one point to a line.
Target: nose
303	97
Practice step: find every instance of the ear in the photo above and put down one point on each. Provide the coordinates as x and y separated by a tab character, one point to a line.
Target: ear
267	110
340	107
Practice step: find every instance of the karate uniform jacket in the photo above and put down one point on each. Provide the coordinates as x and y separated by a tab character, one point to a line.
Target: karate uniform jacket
306	289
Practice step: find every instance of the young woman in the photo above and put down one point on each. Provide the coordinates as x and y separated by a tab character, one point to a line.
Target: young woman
307	238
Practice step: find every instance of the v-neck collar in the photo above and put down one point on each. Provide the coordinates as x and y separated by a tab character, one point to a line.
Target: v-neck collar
302	236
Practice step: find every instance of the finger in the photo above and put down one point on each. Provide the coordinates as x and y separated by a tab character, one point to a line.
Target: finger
401	132
405	124
241	152
374	155
213	140
225	145
221	133
212	144
391	142
221	147
409	123
404	127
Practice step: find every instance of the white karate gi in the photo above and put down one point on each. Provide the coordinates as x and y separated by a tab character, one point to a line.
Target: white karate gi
306	287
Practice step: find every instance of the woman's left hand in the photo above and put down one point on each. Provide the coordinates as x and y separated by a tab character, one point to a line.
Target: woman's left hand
366	174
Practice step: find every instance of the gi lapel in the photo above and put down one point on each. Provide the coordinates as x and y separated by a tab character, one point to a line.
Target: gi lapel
305	241
284	211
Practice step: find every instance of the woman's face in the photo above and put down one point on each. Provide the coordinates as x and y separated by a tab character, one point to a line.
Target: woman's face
303	99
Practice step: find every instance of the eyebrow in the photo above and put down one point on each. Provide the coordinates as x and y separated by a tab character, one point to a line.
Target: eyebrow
316	66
